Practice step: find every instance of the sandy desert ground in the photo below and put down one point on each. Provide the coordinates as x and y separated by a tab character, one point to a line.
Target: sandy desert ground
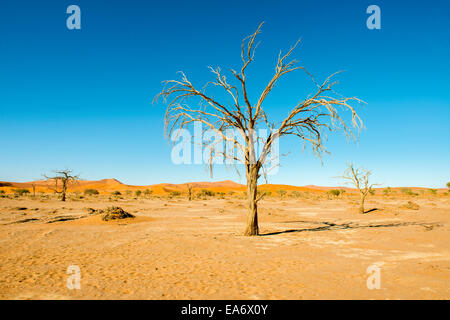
179	249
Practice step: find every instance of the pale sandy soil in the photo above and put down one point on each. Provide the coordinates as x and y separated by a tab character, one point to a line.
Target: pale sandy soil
177	249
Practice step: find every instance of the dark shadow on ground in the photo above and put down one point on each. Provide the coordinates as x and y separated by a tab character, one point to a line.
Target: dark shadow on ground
329	226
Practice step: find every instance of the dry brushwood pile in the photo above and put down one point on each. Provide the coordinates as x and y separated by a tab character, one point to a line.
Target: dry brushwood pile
111	213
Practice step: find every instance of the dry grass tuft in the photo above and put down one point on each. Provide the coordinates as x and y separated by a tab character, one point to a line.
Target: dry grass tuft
410	205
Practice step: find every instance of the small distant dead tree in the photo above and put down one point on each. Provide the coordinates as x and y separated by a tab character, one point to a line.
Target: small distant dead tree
65	177
189	192
306	120
359	178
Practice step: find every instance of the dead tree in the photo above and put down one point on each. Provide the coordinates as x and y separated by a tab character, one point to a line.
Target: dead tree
65	177
307	120
189	192
359	178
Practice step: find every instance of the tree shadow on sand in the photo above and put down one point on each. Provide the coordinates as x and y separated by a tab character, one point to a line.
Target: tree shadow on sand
329	226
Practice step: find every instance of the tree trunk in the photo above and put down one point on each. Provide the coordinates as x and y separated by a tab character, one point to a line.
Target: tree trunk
189	193
361	205
63	195
252	188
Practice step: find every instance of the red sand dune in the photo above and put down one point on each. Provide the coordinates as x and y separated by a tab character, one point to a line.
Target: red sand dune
106	186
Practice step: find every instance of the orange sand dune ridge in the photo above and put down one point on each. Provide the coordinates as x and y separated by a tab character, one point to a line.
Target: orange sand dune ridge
106	186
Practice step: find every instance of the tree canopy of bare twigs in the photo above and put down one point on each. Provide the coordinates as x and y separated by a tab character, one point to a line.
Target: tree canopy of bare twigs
359	178
65	177
307	119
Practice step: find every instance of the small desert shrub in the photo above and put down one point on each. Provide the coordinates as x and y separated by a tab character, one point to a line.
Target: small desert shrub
296	194
128	192
221	195
116	193
148	192
335	192
432	191
138	193
411	206
90	192
230	193
306	194
387	190
21	192
2	191
408	192
206	193
175	193
372	191
266	193
281	192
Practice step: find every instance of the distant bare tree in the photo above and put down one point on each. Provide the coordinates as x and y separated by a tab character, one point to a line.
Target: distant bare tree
359	178
306	120
189	189
65	177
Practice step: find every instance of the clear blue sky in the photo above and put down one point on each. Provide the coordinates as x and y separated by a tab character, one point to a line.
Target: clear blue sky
82	98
